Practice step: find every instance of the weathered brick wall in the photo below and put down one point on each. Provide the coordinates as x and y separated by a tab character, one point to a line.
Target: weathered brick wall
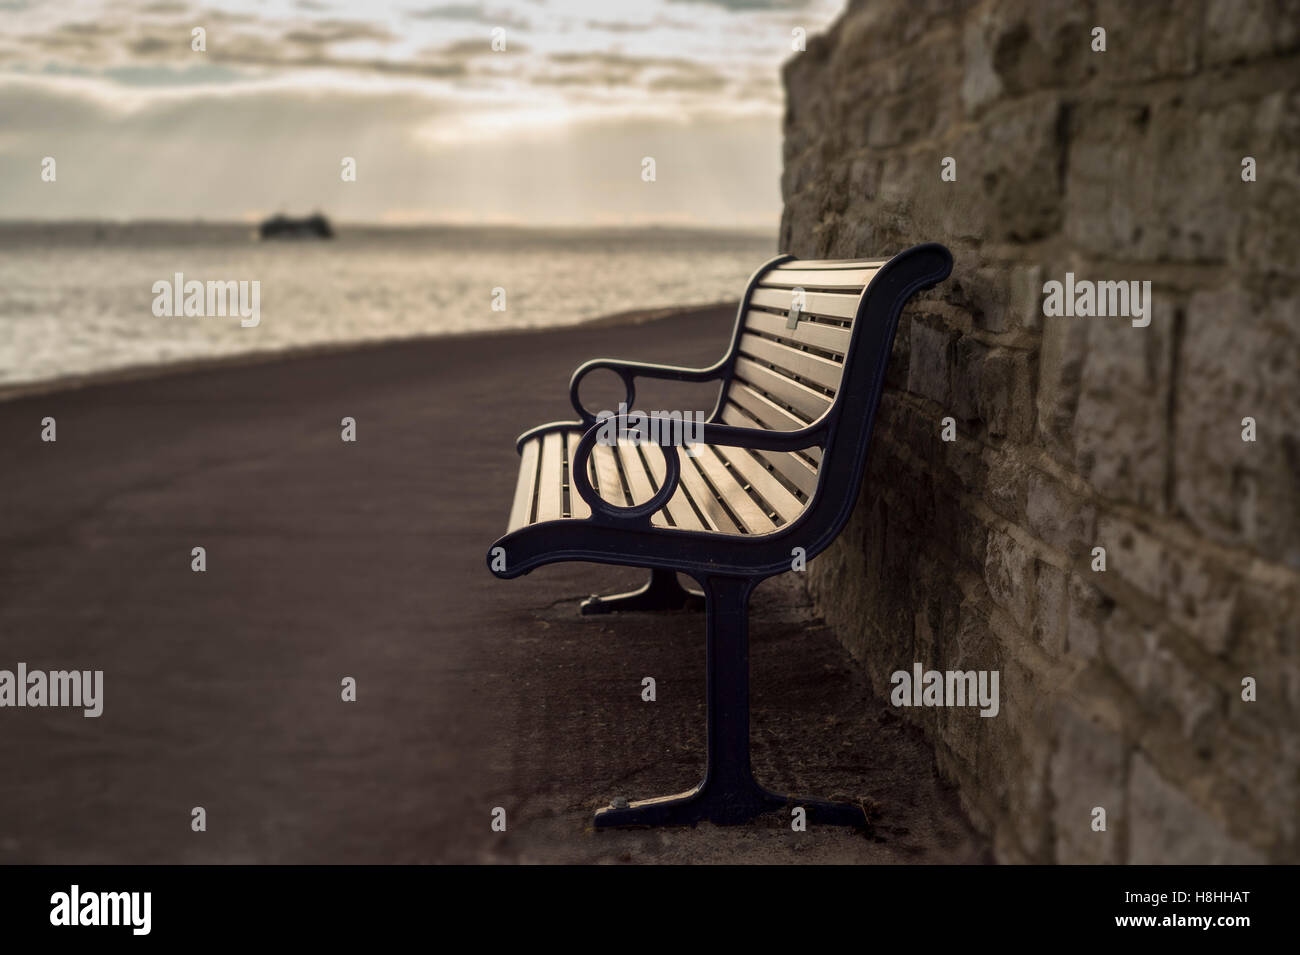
1123	688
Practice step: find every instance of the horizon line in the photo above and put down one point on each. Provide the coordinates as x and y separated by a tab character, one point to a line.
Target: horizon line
660	225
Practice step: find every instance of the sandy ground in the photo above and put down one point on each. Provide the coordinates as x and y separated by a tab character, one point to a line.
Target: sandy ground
329	560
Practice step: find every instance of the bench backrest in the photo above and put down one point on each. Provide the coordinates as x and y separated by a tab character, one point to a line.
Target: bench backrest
830	364
785	378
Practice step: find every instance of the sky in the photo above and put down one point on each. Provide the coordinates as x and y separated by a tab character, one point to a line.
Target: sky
552	130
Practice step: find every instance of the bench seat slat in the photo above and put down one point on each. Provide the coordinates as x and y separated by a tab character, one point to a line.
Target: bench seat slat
577	506
732	491
806	402
638	478
714	513
746	418
521	511
679	505
820	371
792	467
608	481
550	487
751	470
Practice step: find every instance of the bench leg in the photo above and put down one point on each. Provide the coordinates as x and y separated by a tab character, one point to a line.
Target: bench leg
729	794
661	592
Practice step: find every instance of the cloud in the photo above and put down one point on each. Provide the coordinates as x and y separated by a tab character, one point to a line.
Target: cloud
748	6
473	49
451	11
259	151
149	46
495	16
615	69
329	32
142	124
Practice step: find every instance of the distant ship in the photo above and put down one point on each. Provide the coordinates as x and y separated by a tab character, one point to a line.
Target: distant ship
314	226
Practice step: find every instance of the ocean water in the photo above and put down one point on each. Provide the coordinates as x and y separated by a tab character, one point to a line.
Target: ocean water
77	298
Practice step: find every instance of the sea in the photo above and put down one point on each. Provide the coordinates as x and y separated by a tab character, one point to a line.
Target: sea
80	298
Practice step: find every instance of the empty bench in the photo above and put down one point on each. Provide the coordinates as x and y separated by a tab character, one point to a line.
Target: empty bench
776	466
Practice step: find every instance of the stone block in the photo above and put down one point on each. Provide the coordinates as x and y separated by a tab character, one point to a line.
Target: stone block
1049	620
930	362
1088	770
1008	573
1167	828
1241	30
1240	358
1086	617
1121	420
1058	518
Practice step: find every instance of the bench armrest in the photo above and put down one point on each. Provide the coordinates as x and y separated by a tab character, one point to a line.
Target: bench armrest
629	371
759	439
603	509
668	434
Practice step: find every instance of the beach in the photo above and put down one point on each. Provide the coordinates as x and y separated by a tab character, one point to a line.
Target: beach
328	560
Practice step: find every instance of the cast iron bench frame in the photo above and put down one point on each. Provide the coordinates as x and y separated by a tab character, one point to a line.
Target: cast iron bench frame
728	567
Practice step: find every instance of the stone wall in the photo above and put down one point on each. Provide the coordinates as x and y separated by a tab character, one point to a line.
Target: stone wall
1120	688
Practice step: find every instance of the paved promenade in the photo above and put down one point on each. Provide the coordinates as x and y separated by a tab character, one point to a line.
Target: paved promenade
328	560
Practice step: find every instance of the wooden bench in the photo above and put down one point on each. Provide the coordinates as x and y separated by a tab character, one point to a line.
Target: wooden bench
777	467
